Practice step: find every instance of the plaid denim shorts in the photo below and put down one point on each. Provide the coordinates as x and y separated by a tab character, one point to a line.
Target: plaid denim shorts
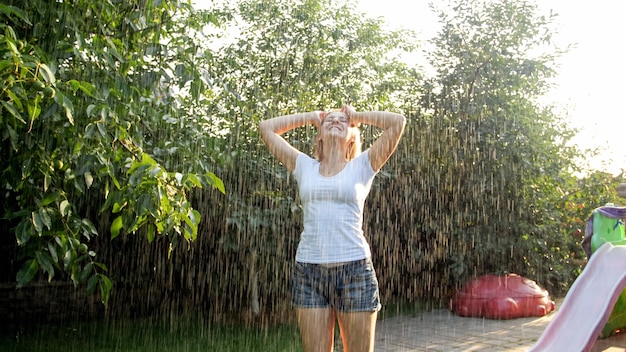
347	287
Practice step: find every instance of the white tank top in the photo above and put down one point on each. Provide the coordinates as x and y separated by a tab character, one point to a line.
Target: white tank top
333	210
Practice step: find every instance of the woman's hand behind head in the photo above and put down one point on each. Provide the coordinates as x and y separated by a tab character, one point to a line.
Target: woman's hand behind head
351	113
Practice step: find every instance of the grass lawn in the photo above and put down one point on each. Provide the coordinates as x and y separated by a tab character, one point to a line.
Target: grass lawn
144	335
151	336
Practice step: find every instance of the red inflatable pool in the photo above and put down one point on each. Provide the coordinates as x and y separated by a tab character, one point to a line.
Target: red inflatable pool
502	297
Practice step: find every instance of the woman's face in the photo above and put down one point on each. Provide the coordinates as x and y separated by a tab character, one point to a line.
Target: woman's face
336	127
336	124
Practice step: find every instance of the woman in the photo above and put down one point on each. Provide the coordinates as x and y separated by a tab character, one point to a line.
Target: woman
333	277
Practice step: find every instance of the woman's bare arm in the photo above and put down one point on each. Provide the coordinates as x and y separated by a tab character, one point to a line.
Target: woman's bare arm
392	125
272	129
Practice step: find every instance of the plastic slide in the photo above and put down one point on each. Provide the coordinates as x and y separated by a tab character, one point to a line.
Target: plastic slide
605	224
588	304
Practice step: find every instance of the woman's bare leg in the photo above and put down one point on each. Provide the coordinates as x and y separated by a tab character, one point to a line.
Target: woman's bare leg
357	331
317	328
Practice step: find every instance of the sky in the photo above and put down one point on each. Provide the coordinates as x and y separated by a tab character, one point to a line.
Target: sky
589	89
591	77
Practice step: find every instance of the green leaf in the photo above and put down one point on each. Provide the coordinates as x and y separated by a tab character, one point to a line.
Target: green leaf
105	288
68	257
9	10
46	73
88	227
118	207
90	110
13	137
116	227
116	183
101	266
23	232
64	208
51	197
37	222
91	284
216	182
145	205
45	262
151	233
44	214
53	252
11	109
67	105
34	109
14	99
191	179
87	270
27	272
146	161
47	181
86	88
7	64
195	216
88	179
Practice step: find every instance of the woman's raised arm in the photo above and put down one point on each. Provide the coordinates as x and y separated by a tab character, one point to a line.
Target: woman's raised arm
392	125
272	129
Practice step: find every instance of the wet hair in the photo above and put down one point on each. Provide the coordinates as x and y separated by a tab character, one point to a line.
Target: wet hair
354	147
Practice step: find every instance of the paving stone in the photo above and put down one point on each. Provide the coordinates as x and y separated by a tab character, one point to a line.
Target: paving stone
442	331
